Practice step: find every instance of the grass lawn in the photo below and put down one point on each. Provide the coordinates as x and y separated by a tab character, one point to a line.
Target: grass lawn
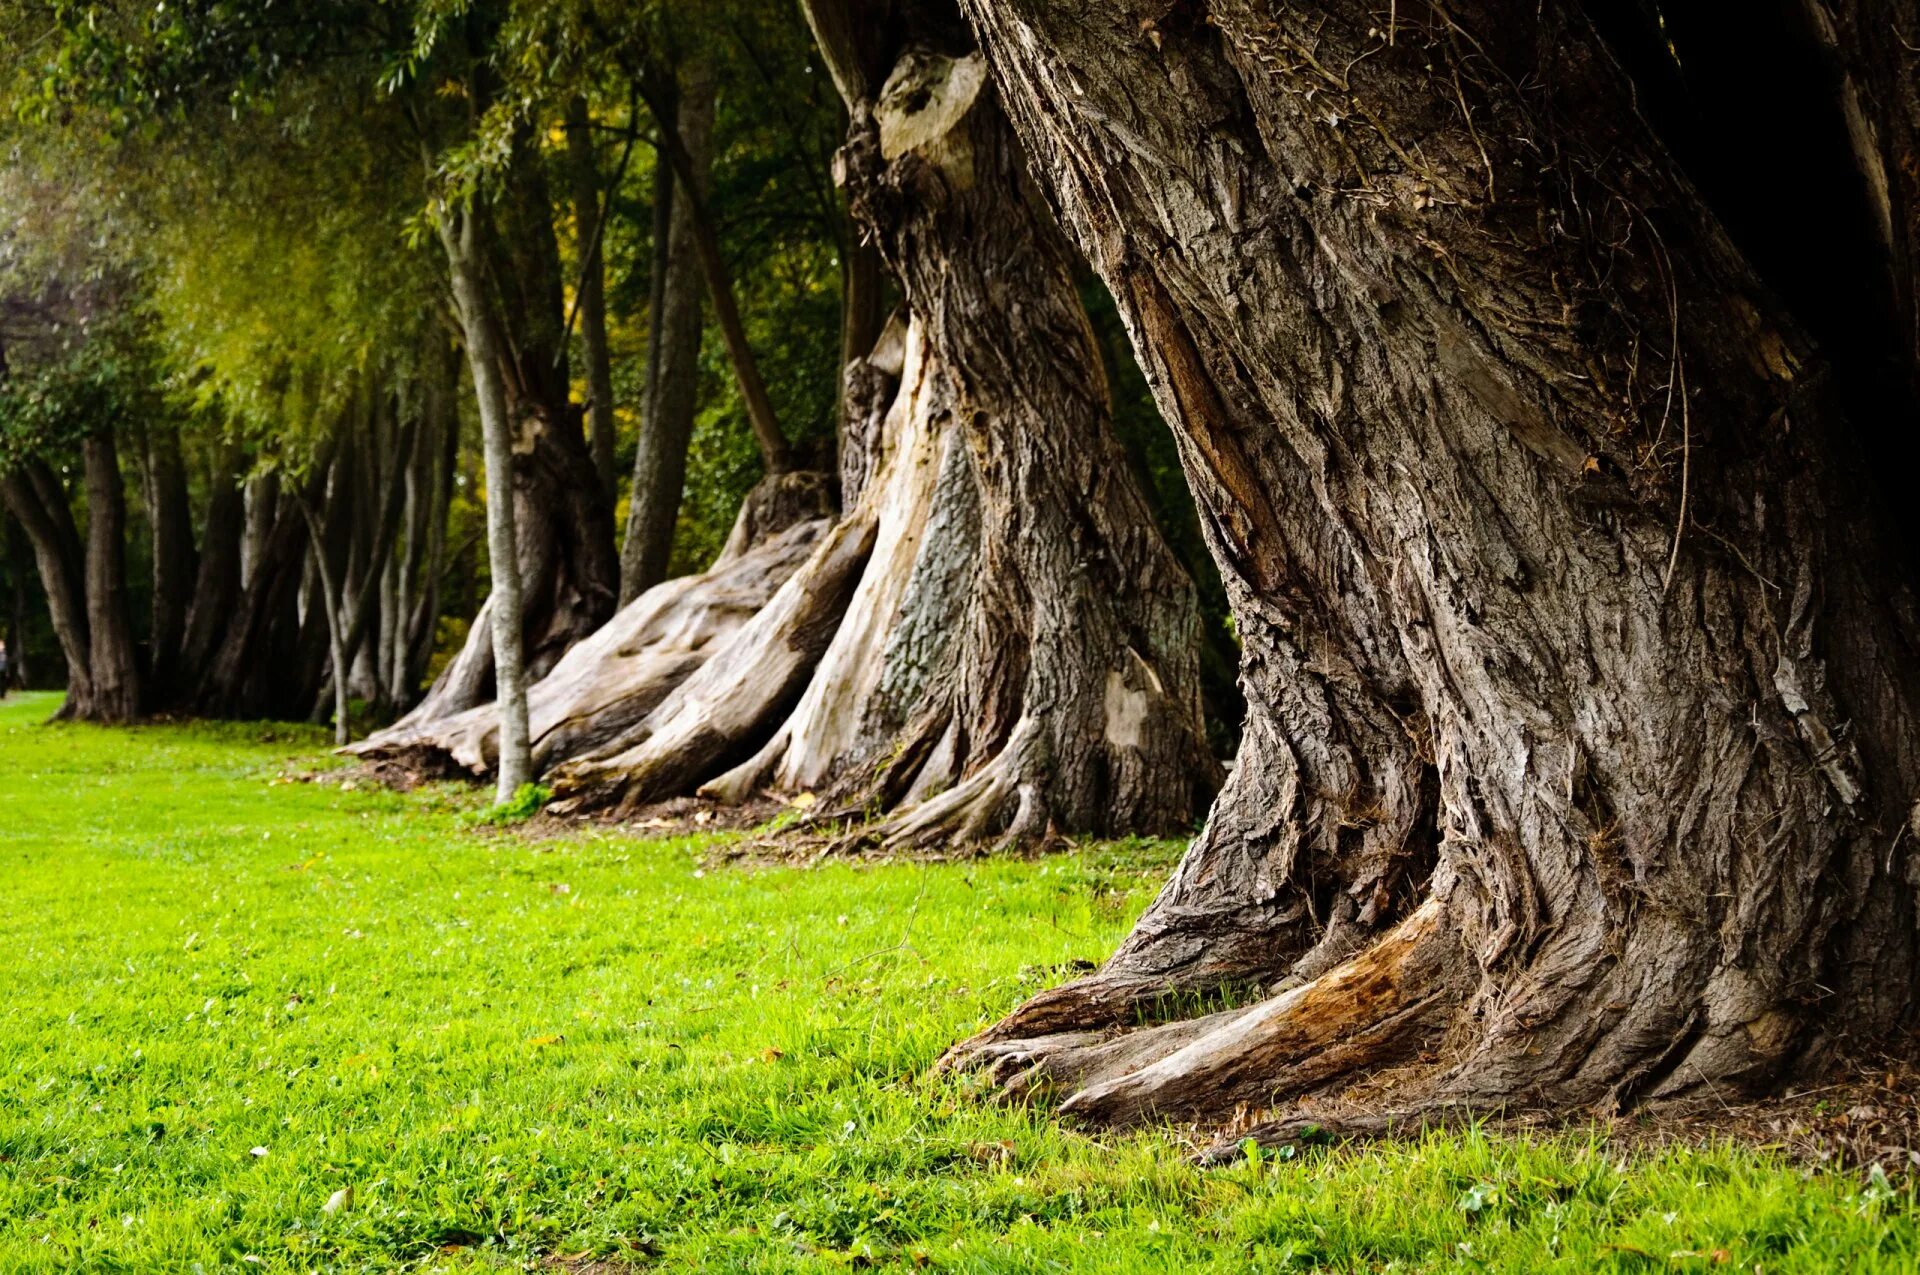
225	998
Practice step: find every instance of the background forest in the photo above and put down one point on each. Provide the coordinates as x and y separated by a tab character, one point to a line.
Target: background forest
222	308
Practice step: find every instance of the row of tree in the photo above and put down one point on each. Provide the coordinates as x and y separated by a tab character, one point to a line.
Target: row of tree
1548	453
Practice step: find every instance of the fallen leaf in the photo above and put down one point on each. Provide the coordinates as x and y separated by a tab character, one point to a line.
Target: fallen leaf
339	1202
546	1040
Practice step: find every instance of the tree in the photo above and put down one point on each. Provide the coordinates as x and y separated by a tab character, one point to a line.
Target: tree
980	645
1578	645
673	349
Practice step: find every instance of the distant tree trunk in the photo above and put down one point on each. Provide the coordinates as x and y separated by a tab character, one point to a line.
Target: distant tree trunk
995	644
35	497
18	551
113	656
268	657
170	515
673	373
263	507
1580	673
335	608
217	585
588	214
688	188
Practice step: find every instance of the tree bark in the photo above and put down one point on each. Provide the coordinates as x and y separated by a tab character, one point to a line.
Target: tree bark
114	668
61	561
1562	609
170	516
562	519
775	455
505	608
614	679
588	217
673	372
995	644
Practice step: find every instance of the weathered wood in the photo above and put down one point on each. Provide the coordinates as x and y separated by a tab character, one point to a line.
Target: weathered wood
1564	601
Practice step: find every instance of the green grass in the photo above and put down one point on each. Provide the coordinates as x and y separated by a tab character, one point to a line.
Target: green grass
513	1051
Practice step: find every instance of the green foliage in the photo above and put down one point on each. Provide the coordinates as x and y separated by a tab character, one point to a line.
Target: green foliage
602	1047
97	377
526	802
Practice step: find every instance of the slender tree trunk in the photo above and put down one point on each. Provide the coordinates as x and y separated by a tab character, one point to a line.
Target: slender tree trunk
505	608
774	452
61	560
588	214
568	565
1581	698
113	656
334	605
673	375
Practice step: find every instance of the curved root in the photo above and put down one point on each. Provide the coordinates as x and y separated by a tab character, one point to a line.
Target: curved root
1379	1007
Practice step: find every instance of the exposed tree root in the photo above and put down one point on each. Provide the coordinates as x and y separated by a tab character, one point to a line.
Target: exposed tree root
1379	1007
617	676
613	679
734	697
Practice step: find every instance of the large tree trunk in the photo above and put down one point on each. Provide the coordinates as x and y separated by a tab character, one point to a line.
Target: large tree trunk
113	657
673	370
1581	698
995	643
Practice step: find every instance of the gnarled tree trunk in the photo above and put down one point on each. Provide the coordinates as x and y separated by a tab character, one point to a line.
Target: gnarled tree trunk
1581	742
995	643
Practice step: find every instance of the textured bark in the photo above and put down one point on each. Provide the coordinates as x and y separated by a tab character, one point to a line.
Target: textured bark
115	675
1562	607
673	370
994	644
